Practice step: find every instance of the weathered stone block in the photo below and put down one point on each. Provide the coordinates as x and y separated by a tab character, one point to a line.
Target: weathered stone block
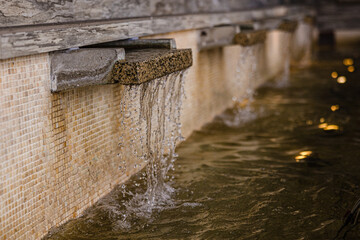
249	38
147	64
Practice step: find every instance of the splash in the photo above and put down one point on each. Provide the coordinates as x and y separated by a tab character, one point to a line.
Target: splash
283	79
149	120
246	76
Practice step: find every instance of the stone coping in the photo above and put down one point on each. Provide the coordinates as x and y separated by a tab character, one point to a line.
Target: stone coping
33	39
147	64
249	37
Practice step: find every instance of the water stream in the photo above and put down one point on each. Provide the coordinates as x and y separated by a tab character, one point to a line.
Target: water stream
288	170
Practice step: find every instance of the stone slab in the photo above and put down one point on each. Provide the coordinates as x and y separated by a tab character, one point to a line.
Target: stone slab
83	67
147	64
249	38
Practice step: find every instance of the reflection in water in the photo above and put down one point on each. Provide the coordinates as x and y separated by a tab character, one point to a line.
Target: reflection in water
348	61
331	127
306	153
334	108
351	69
341	79
334	74
241	181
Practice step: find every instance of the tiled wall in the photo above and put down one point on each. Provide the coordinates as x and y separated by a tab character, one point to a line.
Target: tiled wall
24	108
58	152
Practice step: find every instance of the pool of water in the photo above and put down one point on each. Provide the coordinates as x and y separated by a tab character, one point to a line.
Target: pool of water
287	166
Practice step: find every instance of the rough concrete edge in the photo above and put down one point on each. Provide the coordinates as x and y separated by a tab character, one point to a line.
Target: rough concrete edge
65	78
249	37
139	72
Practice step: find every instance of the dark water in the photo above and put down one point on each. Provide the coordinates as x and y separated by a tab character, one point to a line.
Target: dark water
245	182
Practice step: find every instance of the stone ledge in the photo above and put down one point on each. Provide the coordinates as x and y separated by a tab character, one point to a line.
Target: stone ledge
99	66
147	64
249	38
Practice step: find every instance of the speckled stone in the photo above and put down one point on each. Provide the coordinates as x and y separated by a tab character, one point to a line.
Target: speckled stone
288	26
249	37
147	64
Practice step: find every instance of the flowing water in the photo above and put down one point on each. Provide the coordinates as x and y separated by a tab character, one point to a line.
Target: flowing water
287	168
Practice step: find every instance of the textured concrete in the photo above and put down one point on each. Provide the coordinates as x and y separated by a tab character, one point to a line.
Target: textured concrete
83	67
147	64
248	38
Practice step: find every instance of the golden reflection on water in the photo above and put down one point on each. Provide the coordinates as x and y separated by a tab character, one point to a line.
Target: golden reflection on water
334	107
323	125
351	69
306	153
298	158
332	127
348	61
303	155
341	79
334	75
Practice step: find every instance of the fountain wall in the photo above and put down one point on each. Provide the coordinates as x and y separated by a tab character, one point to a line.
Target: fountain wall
62	151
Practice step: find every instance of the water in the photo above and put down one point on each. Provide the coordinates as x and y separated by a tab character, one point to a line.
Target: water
254	178
150	129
